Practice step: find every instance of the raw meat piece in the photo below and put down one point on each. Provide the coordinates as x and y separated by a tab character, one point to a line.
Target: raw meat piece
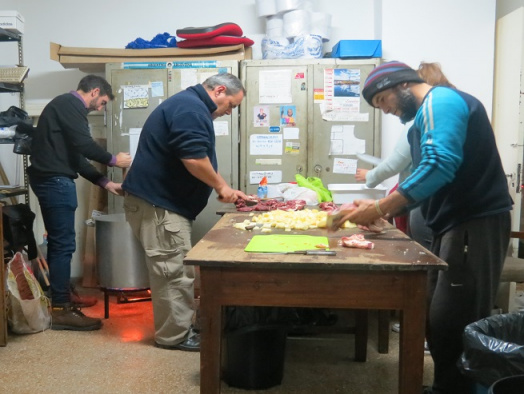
357	241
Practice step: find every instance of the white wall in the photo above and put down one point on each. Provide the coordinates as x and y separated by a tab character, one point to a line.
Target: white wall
458	34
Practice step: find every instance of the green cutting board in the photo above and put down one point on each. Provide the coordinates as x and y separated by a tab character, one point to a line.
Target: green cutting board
281	243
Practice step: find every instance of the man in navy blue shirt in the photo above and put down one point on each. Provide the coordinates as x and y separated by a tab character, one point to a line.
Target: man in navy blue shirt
173	174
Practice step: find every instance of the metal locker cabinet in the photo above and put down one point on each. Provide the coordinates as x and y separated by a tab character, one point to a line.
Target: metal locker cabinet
170	78
313	149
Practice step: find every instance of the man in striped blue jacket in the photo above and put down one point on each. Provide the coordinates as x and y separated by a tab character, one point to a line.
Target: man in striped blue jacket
459	181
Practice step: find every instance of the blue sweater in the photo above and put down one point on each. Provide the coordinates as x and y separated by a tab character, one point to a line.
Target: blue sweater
458	174
179	128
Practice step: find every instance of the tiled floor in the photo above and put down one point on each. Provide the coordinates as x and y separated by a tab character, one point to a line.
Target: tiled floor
121	358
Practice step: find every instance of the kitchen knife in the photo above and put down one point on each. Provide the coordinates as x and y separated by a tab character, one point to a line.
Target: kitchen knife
314	252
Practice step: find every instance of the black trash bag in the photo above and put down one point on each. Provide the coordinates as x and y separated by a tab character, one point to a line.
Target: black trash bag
18	229
14	116
493	348
23	139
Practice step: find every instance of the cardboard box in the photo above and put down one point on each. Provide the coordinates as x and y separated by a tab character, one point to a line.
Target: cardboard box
12	21
94	59
357	49
348	192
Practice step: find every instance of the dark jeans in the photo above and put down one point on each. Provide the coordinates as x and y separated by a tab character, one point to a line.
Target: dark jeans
58	202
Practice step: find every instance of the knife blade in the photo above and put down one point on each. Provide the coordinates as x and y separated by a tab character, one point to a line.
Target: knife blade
314	252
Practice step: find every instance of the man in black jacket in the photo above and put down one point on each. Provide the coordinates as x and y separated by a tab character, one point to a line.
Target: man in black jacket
61	148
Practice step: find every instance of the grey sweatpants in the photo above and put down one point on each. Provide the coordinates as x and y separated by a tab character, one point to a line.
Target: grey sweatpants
166	238
465	293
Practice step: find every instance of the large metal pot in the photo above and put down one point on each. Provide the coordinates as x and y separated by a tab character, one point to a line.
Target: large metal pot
120	257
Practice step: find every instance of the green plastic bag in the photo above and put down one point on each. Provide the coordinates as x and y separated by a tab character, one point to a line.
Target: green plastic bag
315	184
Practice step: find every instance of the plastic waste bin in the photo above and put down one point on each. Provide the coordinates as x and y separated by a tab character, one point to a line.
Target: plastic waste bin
493	349
255	346
255	357
509	385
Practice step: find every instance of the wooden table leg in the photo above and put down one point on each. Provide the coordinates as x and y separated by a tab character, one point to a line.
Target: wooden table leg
361	334
210	335
412	328
383	331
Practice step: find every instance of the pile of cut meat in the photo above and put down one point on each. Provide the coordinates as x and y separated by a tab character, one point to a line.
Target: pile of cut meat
328	206
257	204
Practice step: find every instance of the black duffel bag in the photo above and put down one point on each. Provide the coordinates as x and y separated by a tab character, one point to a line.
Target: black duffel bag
23	139
18	229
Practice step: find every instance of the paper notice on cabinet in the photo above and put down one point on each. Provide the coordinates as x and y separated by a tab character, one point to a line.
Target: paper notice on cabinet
221	128
274	86
157	89
203	75
136	96
188	77
344	142
134	136
265	144
344	166
334	115
272	176
291	133
292	148
342	96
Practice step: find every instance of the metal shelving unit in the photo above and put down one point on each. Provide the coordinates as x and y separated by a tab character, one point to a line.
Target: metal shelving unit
9	36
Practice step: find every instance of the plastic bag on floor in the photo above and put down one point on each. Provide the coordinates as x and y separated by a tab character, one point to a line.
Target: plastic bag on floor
28	306
494	348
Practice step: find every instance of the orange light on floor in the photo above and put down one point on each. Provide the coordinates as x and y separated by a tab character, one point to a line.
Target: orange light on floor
132	335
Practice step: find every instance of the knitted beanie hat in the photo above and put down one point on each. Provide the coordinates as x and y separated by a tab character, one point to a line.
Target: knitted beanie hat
386	76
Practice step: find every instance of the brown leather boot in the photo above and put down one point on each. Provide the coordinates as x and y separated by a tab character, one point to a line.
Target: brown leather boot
68	317
82	301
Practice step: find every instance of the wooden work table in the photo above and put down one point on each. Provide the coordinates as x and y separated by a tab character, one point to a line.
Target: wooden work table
390	276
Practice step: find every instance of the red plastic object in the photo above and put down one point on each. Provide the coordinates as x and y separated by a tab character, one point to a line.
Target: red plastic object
215	41
195	33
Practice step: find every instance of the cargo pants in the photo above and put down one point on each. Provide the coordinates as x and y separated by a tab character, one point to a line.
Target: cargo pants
166	238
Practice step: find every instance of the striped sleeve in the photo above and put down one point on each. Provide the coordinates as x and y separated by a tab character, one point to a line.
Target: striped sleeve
443	121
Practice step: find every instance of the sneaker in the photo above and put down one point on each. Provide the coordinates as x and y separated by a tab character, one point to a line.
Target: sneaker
191	344
81	301
68	317
395	327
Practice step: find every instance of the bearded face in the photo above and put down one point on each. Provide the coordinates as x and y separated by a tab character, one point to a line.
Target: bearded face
406	103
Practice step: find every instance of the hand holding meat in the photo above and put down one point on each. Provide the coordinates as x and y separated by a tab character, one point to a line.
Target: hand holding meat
123	160
361	212
365	214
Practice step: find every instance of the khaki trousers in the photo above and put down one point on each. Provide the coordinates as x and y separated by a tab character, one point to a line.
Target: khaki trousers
166	238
